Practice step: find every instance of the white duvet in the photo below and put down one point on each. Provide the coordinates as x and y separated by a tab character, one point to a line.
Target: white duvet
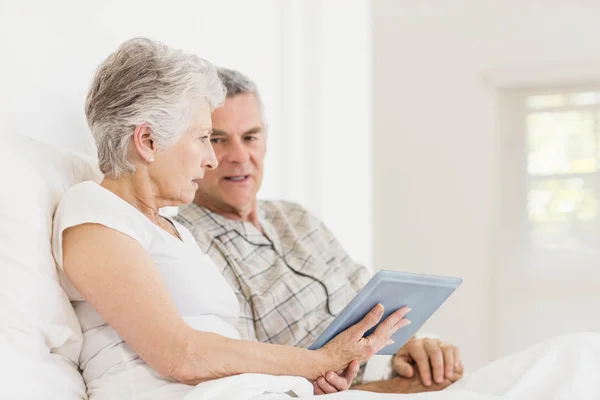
567	367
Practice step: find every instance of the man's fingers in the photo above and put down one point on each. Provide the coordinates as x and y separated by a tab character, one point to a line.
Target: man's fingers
403	367
448	352
457	361
460	369
326	386
436	359
456	376
419	355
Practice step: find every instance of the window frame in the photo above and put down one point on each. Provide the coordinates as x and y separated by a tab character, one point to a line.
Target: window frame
516	244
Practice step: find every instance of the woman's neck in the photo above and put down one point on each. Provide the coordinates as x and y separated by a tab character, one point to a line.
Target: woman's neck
136	192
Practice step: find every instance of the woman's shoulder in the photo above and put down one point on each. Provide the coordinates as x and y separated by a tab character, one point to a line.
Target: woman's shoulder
91	196
88	202
88	191
79	197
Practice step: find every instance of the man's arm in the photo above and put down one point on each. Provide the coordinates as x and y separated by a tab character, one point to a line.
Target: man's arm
402	385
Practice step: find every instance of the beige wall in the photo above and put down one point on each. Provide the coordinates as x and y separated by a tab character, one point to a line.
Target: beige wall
435	150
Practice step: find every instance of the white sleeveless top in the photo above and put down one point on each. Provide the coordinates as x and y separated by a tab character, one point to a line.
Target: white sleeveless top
202	296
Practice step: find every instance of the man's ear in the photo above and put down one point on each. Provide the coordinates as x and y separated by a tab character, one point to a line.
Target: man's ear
143	143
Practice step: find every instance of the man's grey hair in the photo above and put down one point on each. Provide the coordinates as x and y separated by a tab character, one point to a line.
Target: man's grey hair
146	83
237	83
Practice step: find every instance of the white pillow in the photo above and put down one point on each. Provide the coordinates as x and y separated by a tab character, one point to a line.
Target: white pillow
50	377
36	317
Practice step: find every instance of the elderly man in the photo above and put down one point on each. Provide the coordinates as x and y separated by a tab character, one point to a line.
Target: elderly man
290	274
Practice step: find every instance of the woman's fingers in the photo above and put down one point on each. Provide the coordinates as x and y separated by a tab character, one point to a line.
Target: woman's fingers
369	321
337	382
351	372
317	389
328	387
394	322
351	344
389	326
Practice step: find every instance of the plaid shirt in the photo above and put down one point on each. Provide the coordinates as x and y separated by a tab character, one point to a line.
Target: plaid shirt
290	281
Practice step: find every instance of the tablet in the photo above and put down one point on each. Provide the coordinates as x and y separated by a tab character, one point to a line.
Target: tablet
424	294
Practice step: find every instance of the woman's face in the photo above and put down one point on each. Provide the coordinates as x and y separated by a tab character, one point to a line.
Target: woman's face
175	168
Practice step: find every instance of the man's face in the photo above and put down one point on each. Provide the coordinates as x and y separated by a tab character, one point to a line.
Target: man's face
239	143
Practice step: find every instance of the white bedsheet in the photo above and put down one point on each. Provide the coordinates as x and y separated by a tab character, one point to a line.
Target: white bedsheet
567	367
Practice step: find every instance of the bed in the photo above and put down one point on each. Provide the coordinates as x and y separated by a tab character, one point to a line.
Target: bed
39	332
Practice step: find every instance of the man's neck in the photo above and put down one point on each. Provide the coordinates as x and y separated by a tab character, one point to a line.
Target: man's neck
247	214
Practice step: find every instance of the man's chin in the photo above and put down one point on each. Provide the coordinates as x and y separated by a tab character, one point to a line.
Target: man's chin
239	201
240	205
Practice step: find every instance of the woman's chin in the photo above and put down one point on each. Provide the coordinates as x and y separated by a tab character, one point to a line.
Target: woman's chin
187	199
188	195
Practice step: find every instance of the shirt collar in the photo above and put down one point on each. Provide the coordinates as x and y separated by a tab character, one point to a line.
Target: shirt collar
218	225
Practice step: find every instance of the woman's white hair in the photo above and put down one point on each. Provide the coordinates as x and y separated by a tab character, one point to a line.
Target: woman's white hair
146	82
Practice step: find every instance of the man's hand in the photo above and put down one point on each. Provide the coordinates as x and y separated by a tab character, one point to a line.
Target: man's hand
429	356
333	382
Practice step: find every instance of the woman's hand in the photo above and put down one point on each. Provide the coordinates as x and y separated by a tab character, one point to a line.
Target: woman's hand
351	345
334	382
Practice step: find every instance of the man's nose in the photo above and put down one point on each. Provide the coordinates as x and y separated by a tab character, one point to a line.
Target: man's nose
237	153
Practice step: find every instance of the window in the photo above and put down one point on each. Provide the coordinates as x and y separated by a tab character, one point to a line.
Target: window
563	170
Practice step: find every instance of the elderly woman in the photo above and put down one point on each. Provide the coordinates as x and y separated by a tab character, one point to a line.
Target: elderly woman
157	317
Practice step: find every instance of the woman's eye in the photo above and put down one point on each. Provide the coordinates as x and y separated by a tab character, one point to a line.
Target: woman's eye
216	140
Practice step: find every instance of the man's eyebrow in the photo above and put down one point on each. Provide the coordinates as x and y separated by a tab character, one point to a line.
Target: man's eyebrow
256	129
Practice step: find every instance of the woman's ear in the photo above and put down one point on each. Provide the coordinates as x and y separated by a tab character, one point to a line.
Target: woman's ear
142	140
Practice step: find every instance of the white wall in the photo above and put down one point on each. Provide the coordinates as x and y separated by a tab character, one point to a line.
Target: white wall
303	56
435	151
51	49
326	92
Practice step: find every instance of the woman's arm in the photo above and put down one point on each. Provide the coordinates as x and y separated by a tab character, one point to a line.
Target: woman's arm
115	274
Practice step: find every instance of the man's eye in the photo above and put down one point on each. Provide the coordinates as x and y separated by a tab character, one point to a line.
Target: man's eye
216	140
